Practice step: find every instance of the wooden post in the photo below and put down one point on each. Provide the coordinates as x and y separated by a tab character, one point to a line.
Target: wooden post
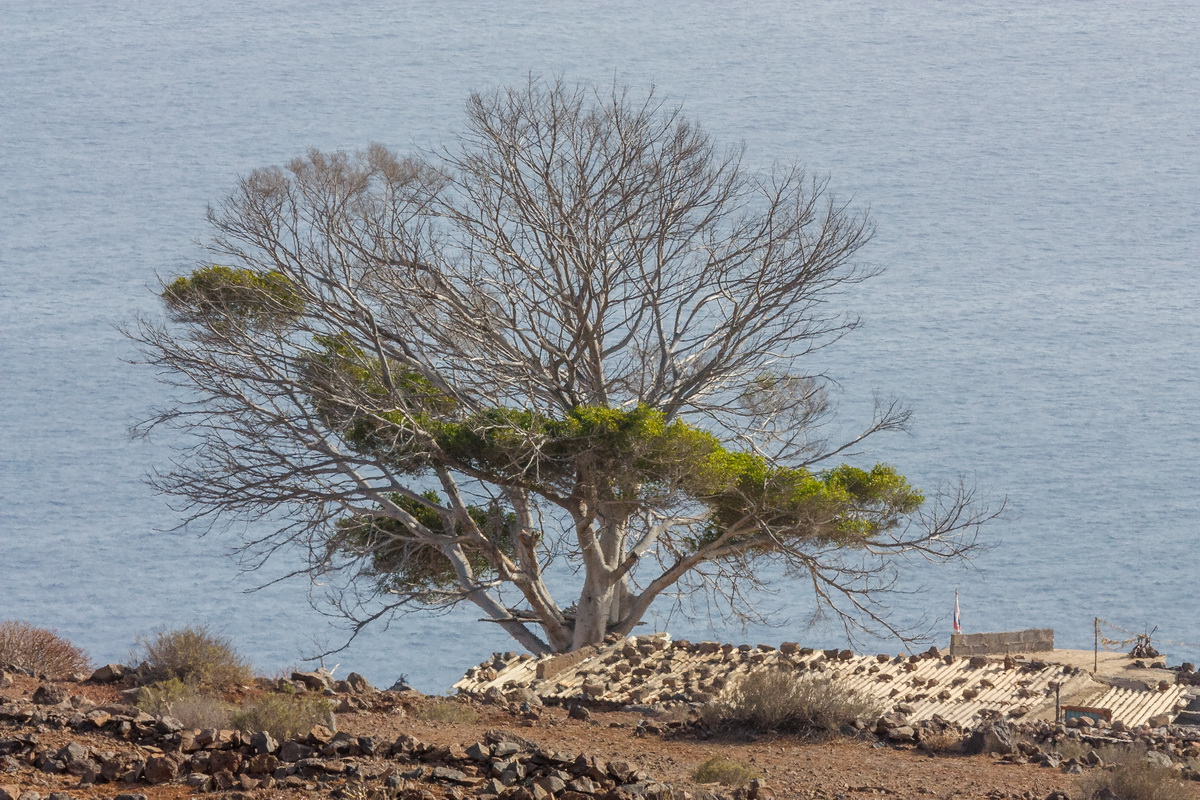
1096	652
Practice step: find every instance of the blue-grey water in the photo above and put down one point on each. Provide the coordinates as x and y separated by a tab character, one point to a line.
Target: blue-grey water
1033	168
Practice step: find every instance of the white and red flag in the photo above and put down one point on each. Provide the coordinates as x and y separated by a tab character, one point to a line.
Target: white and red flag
957	617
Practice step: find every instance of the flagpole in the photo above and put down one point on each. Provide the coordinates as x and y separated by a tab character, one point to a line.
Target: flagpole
957	623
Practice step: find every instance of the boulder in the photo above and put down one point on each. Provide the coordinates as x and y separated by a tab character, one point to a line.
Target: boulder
890	721
358	684
109	673
994	736
291	752
49	695
316	681
160	769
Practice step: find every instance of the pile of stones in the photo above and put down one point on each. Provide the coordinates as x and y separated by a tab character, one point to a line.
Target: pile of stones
1186	674
1175	746
152	749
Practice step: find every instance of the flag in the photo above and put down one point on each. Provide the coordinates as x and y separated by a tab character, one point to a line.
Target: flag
957	617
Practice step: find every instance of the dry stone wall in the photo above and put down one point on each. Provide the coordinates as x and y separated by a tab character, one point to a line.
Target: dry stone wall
1033	640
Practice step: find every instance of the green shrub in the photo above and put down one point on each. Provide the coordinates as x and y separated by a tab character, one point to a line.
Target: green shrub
196	656
189	704
283	715
39	650
447	710
724	771
775	701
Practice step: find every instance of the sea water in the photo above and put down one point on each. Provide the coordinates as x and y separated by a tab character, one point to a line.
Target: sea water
1033	169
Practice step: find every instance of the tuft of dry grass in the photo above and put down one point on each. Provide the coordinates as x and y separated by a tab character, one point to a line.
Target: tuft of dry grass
188	703
196	656
815	707
39	650
941	742
725	771
447	710
284	716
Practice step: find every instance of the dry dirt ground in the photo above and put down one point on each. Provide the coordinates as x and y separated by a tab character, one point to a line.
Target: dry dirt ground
839	770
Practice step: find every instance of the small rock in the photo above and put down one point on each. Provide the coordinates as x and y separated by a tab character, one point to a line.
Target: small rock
263	742
199	781
451	775
49	696
551	784
320	735
109	673
580	713
402	685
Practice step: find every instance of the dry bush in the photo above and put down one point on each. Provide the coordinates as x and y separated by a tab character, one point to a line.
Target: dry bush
189	704
281	715
284	716
725	771
447	710
941	742
1134	779
194	655
815	707
39	650
1071	748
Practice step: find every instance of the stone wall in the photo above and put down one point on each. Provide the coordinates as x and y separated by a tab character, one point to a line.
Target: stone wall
987	644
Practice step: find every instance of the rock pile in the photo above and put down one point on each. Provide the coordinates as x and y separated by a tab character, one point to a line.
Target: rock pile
1186	675
151	749
1176	746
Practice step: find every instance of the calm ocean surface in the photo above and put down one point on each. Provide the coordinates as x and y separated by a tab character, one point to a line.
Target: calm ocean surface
1033	168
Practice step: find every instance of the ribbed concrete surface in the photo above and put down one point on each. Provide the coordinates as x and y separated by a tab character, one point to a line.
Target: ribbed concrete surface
1136	706
651	669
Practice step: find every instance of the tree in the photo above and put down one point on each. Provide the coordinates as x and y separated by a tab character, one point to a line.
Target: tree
574	336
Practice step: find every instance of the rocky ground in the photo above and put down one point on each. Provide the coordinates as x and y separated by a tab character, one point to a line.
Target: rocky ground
80	739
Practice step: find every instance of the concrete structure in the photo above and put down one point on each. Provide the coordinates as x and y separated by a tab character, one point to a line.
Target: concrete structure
654	669
1034	640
